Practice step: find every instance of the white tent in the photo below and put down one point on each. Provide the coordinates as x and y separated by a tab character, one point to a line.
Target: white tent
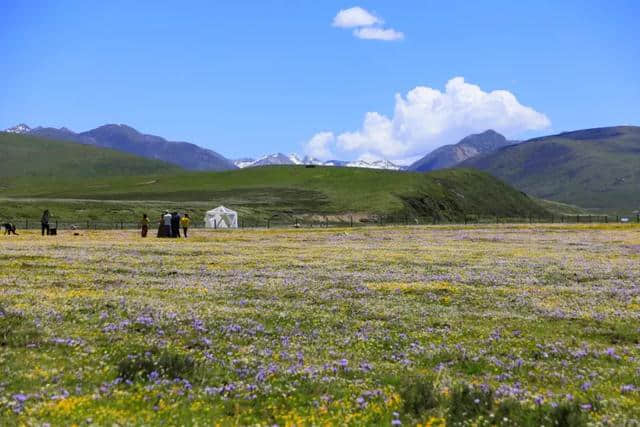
221	217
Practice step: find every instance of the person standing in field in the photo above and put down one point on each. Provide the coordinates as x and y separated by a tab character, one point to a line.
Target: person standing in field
185	221
44	221
166	229
175	225
145	225
161	226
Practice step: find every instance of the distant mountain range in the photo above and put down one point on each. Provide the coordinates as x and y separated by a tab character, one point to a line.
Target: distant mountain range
192	157
592	168
294	159
450	155
128	140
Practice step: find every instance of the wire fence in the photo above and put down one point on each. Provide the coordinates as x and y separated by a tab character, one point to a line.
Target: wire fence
343	221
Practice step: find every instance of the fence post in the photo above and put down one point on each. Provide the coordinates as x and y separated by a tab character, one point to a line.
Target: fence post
577	218
350	220
268	225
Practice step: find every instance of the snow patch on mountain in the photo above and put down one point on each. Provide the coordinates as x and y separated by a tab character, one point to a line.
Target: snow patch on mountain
294	159
21	128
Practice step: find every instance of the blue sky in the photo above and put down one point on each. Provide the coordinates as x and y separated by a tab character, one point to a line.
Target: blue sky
248	78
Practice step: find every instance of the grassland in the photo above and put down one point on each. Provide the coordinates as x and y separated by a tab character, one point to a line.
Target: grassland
45	163
80	183
598	169
510	325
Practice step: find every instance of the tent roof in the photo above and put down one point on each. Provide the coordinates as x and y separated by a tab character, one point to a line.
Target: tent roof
221	210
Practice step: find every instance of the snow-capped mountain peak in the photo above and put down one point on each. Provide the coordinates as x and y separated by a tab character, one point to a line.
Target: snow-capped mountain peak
21	128
294	159
376	164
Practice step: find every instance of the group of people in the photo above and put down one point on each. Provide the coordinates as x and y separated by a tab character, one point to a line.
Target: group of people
169	225
10	228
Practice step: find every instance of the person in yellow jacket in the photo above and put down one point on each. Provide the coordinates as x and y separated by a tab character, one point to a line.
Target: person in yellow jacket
185	221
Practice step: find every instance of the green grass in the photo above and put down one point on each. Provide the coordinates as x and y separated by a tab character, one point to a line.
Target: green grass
81	183
595	169
27	159
276	191
506	325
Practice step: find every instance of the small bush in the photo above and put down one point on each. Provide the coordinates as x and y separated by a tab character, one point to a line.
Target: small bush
164	363
565	415
467	403
16	330
418	395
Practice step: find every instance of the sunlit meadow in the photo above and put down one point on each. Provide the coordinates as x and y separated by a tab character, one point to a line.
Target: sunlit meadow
502	324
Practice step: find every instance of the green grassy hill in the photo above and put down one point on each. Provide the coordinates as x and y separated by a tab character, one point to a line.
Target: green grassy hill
594	168
87	183
25	157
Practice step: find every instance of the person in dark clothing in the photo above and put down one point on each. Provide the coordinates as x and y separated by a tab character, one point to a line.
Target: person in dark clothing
175	224
145	225
44	221
161	226
9	228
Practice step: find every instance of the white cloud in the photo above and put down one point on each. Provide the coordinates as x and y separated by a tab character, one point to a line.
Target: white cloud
355	17
365	24
318	145
375	33
426	118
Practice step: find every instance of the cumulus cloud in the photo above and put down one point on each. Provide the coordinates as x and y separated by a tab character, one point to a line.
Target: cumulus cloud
355	17
375	33
426	118
318	145
366	25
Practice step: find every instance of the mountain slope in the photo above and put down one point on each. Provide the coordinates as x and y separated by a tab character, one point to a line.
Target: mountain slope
27	157
592	168
450	155
126	139
297	190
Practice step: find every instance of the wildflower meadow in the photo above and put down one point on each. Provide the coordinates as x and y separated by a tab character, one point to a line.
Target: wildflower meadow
442	325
